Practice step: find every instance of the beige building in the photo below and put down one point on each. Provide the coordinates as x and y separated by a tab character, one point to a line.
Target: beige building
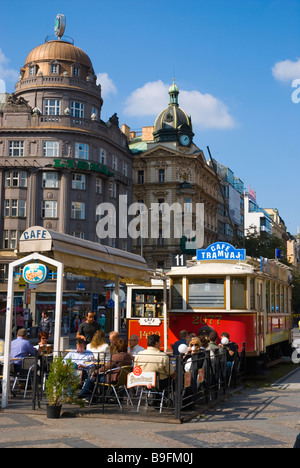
58	159
169	168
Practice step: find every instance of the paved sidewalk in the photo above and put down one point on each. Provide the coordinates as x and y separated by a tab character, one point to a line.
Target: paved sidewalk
250	418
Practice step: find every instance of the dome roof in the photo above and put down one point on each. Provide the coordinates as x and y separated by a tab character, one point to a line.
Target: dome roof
58	50
172	117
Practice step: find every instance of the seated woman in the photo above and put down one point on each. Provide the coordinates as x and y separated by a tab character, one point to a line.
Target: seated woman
98	346
43	341
118	360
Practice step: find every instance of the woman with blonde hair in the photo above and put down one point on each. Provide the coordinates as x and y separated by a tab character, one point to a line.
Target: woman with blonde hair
98	346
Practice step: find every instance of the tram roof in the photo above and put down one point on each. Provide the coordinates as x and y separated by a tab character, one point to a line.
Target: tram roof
227	267
82	257
217	268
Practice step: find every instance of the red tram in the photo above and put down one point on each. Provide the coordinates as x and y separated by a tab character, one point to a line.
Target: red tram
225	291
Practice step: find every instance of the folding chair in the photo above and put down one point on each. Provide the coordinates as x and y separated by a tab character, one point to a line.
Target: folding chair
158	396
117	387
24	375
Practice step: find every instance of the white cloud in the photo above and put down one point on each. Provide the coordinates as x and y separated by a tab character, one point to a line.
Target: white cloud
2	86
5	72
206	110
107	85
286	70
150	99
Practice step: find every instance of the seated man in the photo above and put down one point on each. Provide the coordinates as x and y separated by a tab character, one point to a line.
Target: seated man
21	348
153	360
81	357
183	335
134	347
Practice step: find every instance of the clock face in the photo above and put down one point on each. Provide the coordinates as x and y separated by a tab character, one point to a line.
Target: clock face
184	140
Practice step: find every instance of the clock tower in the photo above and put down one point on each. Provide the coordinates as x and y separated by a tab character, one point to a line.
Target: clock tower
173	124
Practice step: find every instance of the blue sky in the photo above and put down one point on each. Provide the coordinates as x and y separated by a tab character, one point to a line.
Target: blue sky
234	62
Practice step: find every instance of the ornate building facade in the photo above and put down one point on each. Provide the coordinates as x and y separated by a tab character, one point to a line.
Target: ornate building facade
58	159
169	168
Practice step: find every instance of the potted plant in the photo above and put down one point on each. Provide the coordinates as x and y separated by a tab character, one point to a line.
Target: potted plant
61	386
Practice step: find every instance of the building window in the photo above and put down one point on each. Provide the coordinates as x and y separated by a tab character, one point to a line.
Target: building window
16	179
32	70
54	69
102	155
94	112
78	181
140	177
113	190
188	206
76	71
16	148
78	210
52	107
13	239
115	162
161	176
49	209
22	208
79	235
81	151
50	149
125	169
50	179
77	109
98	185
15	208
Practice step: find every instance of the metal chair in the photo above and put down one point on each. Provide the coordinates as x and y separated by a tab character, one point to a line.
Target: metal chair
24	374
158	396
153	393
117	387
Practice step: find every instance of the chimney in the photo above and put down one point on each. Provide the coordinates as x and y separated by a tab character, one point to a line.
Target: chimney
147	133
126	131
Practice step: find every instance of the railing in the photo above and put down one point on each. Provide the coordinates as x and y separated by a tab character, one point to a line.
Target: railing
200	380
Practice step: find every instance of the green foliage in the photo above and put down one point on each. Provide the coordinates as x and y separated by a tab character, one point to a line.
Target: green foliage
63	383
263	245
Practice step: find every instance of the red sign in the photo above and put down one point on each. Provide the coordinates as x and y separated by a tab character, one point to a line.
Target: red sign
143	331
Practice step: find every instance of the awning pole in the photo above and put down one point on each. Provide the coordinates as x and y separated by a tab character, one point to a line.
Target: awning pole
165	316
117	307
58	307
8	333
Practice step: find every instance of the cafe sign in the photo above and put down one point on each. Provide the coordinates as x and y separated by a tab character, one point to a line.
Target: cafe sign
35	273
221	251
82	165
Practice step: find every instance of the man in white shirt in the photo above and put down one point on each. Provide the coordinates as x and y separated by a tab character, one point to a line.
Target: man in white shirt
81	357
134	347
153	360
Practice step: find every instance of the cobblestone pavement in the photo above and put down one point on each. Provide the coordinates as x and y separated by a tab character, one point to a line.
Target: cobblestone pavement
251	418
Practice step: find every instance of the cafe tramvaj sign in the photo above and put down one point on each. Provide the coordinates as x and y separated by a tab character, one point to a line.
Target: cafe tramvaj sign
221	251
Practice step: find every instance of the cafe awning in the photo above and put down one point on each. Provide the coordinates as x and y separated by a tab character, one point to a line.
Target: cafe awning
82	257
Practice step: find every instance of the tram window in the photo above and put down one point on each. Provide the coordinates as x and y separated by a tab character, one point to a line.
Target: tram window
272	297
238	299
268	296
176	291
206	293
147	303
252	294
